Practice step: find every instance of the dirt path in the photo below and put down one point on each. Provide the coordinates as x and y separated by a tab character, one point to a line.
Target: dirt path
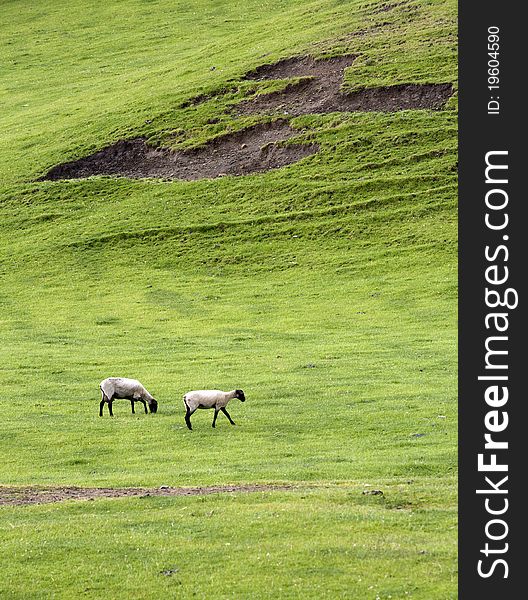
17	496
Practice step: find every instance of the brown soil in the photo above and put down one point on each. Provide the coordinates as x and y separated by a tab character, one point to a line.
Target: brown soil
320	90
257	148
248	151
17	496
329	69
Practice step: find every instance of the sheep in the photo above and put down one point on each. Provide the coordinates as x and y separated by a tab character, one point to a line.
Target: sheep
210	399
129	389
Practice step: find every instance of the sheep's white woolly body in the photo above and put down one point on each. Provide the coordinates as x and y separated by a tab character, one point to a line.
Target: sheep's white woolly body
123	388
210	399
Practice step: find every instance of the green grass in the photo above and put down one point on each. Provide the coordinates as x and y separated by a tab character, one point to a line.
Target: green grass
312	544
326	290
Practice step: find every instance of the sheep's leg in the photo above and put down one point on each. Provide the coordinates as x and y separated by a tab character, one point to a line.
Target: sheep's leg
215	415
101	404
132	402
188	417
227	415
144	405
110	407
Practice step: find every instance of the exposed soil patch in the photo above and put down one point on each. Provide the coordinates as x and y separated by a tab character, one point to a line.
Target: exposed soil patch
259	148
398	97
289	67
17	496
312	96
251	150
320	90
329	69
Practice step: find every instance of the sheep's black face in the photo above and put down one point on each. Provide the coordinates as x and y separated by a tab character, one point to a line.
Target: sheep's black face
241	396
153	406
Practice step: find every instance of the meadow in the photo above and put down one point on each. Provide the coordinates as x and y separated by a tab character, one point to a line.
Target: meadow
326	290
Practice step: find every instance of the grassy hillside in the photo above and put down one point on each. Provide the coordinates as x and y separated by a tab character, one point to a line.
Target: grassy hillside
325	289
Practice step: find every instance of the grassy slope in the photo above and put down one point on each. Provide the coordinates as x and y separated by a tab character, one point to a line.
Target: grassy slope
325	289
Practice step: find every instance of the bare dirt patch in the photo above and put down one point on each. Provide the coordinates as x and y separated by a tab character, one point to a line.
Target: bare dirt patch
251	150
314	87
304	66
18	496
319	90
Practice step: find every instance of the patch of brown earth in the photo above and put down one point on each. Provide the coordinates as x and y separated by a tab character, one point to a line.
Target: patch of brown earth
251	150
17	496
320	90
304	66
404	96
284	69
258	148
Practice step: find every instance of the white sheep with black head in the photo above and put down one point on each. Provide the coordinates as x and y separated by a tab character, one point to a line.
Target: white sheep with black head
113	388
215	399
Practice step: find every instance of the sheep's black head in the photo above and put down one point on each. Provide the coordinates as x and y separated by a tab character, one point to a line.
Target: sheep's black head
240	395
153	405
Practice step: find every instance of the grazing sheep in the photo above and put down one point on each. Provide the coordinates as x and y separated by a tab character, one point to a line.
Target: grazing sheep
210	399
129	389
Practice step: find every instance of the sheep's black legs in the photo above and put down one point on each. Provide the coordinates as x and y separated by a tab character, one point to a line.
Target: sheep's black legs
227	415
133	402
215	415
188	418
103	400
